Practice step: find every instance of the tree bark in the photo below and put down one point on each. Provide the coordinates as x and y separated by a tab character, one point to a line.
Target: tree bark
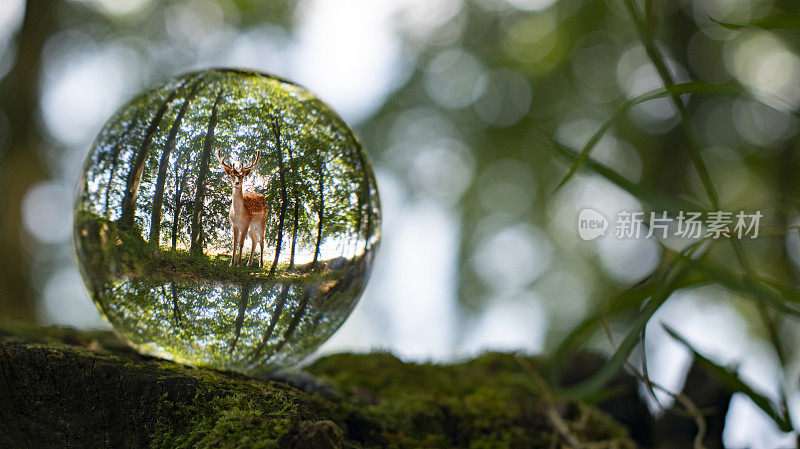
244	299
134	177
276	312
115	163
177	205
367	189
276	130
299	312
20	166
296	200
200	191
320	207
163	165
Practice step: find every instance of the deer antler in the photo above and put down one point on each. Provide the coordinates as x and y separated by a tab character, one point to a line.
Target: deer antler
223	161
255	161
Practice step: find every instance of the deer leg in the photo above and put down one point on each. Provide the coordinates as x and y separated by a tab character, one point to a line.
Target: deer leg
242	235
253	238
262	227
235	244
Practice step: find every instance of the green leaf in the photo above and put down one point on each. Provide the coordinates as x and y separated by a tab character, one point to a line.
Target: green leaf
781	300
772	22
653	199
665	289
678	89
731	380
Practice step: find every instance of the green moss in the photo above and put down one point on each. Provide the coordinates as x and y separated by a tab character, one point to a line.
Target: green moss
491	401
110	396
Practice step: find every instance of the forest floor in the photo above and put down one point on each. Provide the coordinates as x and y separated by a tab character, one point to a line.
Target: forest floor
103	244
64	388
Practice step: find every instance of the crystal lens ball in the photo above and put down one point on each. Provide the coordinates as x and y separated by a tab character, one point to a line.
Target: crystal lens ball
226	219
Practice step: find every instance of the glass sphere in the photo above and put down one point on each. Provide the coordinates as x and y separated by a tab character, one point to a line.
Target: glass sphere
228	219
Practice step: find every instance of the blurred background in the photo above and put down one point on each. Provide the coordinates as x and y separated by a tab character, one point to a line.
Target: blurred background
459	104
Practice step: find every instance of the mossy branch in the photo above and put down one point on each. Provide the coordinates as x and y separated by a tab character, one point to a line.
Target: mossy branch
63	388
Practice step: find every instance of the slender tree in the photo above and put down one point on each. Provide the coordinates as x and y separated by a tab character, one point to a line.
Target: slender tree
276	313
200	191
134	178
176	313
20	164
244	299
158	197
296	200
115	162
177	204
320	205
298	314
276	130
365	196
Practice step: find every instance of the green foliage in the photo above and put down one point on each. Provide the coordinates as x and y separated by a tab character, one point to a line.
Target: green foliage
685	269
730	379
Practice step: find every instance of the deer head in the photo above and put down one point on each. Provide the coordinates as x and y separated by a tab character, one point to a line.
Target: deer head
237	175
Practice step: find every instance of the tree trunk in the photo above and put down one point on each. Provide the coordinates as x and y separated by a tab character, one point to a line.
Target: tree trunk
366	195
296	200
320	208
276	312
161	180
138	162
20	166
276	129
176	311
180	185
115	163
299	312
199	196
244	299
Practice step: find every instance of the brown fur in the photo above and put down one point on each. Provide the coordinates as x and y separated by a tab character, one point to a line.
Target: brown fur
254	202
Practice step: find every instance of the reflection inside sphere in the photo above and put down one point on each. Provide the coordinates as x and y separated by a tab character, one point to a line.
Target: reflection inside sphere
228	219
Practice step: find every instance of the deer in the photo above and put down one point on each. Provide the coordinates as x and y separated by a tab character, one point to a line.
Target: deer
248	211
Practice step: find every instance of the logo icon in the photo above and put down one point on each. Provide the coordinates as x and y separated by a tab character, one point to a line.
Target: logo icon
591	224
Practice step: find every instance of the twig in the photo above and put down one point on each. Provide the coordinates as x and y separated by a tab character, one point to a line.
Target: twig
553	415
